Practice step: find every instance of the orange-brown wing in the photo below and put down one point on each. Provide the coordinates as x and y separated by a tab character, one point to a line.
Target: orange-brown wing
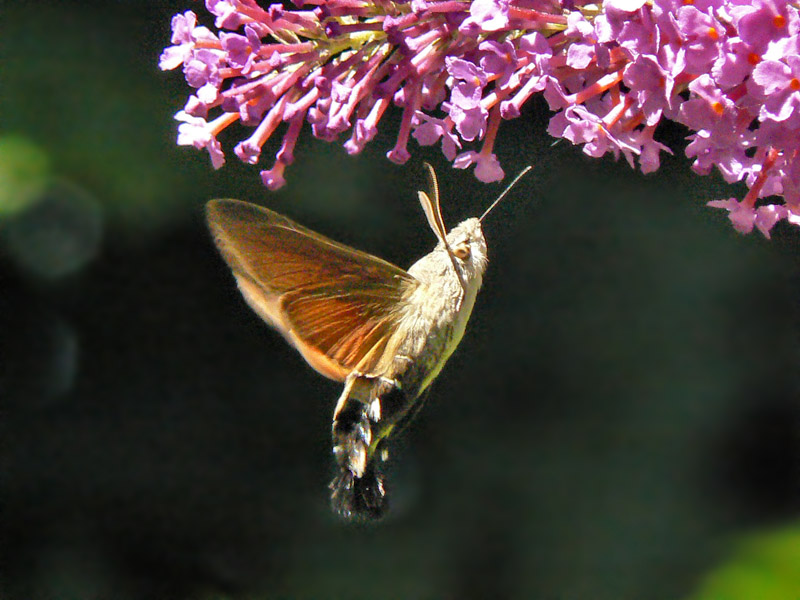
338	306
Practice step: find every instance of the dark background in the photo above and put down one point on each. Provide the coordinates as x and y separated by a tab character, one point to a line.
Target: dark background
622	408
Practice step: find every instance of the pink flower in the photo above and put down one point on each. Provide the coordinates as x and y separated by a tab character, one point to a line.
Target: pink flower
777	82
728	70
487	167
744	217
488	15
195	131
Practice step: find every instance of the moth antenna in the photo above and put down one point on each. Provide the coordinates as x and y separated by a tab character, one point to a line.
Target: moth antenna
503	195
432	208
433	212
433	183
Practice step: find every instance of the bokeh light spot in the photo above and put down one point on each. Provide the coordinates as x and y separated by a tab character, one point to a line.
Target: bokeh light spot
24	172
57	234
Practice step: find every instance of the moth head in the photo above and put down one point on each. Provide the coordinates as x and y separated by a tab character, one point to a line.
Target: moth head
468	245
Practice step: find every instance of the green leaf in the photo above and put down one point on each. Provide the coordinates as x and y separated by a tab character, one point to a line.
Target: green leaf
764	566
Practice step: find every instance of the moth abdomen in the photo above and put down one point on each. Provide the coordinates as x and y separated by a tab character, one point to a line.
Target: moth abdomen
358	490
361	428
360	446
364	497
352	436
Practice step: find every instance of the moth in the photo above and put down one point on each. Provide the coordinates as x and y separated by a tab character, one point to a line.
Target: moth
385	333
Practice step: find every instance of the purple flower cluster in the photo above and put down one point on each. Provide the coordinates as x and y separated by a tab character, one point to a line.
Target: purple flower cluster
729	70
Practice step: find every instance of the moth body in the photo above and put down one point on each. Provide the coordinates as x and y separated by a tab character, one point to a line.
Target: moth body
437	313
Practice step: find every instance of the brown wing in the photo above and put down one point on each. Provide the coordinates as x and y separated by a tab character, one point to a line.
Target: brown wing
338	306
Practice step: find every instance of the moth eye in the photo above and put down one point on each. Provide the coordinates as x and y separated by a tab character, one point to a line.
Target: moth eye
462	252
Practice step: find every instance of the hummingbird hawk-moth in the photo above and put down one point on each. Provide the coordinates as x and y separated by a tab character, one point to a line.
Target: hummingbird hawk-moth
385	333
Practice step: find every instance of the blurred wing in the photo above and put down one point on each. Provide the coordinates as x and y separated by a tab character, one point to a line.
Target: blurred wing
338	306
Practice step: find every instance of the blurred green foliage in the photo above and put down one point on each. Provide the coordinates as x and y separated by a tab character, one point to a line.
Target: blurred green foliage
764	565
80	85
24	171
